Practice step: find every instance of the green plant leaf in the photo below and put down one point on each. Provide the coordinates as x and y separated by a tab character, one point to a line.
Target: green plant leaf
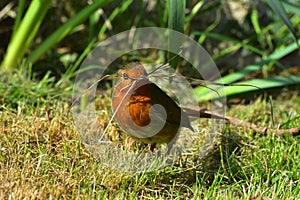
292	7
113	15
21	6
254	85
232	78
278	8
176	15
65	29
175	23
25	33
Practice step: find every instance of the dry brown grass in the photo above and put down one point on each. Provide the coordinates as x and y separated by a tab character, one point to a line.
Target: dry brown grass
41	156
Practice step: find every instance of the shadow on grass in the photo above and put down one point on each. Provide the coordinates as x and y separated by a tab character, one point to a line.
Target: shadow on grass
220	166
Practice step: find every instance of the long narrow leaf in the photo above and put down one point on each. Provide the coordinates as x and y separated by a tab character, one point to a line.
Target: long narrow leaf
231	78
176	22
278	8
280	53
229	39
65	29
176	15
268	83
292	7
25	33
113	15
21	6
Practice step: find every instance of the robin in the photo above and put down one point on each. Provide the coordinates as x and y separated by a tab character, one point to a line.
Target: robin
143	110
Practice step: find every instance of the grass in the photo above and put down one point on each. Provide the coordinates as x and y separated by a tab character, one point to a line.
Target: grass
41	155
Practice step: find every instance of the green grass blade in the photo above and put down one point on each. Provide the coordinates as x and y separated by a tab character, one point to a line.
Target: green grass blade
161	10
21	6
176	15
196	8
268	83
292	7
65	29
255	21
278	54
93	21
278	8
231	78
176	23
228	39
117	11
113	15
212	26
25	33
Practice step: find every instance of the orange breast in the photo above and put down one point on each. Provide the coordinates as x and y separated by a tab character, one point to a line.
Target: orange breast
139	106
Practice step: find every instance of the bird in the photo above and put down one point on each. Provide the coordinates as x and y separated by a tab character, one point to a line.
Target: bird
146	113
143	110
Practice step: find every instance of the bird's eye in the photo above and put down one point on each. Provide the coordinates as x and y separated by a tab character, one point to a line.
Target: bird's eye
125	76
